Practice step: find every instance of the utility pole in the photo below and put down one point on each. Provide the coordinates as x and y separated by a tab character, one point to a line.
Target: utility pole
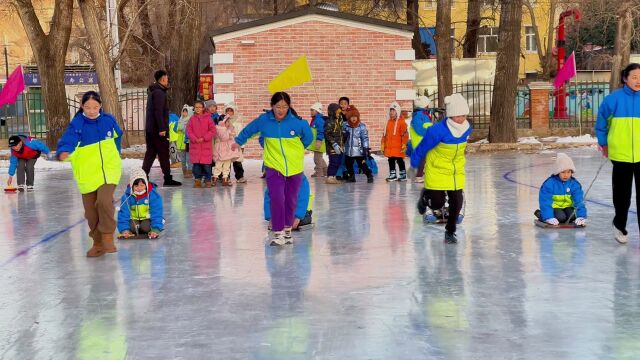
6	59
112	24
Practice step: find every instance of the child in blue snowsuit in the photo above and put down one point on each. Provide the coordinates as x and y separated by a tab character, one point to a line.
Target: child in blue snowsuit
24	154
303	208
561	198
140	208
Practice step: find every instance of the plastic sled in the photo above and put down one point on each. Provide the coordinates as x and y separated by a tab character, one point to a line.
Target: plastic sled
10	190
136	237
544	225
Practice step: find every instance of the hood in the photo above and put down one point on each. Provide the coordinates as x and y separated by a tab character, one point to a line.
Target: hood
189	111
156	86
353	112
232	105
137	173
395	106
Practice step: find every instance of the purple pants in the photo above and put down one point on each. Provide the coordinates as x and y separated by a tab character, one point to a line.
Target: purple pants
283	191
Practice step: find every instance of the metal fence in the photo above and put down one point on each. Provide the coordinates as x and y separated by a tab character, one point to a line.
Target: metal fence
479	96
27	115
583	102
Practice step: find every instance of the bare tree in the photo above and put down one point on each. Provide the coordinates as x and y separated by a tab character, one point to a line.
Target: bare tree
413	19
49	51
443	47
545	54
622	45
502	126
470	49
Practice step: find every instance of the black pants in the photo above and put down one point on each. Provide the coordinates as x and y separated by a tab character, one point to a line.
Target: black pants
565	215
140	227
238	170
362	164
435	200
26	167
622	182
157	146
335	160
393	161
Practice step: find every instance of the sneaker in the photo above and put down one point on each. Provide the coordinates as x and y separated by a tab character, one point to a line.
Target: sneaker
429	216
241	181
403	175
418	180
288	239
619	235
278	239
22	188
450	238
30	188
392	176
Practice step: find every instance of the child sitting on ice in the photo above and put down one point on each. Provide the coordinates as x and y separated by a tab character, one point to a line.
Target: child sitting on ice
140	208
561	198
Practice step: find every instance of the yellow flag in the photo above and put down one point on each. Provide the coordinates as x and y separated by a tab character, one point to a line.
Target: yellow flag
295	74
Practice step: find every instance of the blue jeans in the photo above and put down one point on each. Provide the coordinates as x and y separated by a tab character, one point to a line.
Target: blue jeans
202	171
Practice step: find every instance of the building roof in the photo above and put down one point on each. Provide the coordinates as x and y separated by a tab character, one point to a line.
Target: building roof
311	13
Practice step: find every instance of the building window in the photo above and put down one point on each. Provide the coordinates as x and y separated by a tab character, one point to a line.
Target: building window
487	40
452	35
530	39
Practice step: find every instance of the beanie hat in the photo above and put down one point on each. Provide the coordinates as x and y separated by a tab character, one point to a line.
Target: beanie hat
138	173
210	103
395	106
422	102
456	105
563	162
317	107
14	140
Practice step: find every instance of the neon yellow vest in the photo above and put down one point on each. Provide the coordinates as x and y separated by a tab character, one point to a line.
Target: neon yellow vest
444	168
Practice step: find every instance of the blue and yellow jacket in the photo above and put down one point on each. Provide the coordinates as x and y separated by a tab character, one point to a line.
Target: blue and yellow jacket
284	141
141	207
420	122
303	204
618	125
94	147
31	149
558	194
317	129
444	168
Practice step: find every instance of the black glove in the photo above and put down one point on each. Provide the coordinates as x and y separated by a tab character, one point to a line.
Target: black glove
367	152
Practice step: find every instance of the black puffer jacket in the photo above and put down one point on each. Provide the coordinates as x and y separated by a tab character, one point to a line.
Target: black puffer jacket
157	110
333	129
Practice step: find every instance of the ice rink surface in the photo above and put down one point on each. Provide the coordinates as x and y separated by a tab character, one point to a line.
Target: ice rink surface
370	281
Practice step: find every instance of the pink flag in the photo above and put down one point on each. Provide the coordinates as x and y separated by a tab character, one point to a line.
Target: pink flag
13	87
567	72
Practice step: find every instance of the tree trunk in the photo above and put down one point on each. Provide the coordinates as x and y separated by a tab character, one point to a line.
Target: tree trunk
622	45
443	48
49	51
183	65
102	61
275	7
473	25
548	63
503	127
413	19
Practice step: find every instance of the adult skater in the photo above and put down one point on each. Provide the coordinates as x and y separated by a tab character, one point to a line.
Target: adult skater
285	139
444	144
616	129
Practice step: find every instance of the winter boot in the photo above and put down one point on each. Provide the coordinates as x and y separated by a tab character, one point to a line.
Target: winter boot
226	182
208	184
351	178
107	243
422	203
370	178
278	239
197	183
430	216
620	236
392	176
403	175
187	174
168	181
97	249
176	165
332	180
315	174
450	238
288	239
214	181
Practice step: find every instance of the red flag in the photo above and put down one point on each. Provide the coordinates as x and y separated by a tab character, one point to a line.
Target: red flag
13	87
567	72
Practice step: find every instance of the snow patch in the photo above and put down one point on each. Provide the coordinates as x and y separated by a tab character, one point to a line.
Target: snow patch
587	139
528	140
483	141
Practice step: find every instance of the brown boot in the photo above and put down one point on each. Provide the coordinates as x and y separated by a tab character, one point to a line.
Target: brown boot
214	181
97	249
226	182
187	174
107	243
197	183
208	184
332	180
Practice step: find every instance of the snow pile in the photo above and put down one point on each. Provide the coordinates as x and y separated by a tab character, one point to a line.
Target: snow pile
528	140
136	148
483	141
587	139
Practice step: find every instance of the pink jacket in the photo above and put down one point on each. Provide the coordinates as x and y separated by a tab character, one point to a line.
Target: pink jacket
201	126
222	146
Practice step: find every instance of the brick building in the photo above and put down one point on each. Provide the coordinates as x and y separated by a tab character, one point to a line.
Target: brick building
367	60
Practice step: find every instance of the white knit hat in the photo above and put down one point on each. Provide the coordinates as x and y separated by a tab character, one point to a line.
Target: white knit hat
422	102
395	106
137	173
456	105
317	107
563	162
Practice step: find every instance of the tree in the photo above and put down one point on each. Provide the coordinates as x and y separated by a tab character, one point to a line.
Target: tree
49	51
413	19
622	46
470	49
443	47
502	126
545	54
104	65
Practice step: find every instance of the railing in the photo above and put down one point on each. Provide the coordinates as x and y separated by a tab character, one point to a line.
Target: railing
583	101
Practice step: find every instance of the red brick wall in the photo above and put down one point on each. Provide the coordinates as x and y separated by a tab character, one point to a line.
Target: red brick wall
344	61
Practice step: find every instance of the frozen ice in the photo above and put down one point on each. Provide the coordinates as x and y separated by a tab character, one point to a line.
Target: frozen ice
370	281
